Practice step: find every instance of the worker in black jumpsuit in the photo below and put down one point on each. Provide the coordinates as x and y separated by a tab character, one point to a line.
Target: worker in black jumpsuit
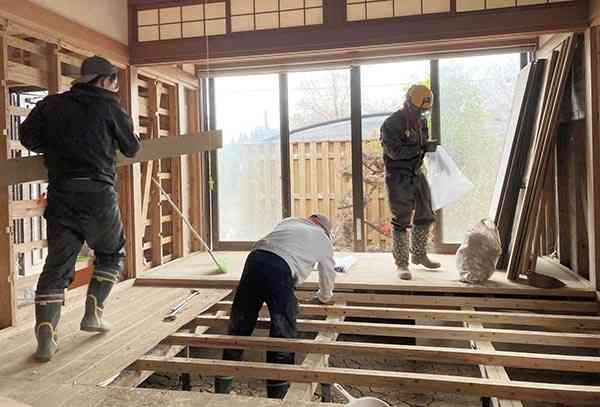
405	140
79	133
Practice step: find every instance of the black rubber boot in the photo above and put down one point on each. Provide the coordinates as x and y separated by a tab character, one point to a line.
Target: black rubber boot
277	390
223	384
98	292
47	315
419	241
400	252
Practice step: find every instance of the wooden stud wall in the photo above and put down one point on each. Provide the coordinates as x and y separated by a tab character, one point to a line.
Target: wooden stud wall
161	104
34	62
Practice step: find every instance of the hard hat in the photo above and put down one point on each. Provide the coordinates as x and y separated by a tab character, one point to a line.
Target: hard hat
420	96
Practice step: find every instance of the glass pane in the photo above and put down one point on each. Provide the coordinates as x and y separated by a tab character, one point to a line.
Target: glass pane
384	89
249	164
476	97
321	149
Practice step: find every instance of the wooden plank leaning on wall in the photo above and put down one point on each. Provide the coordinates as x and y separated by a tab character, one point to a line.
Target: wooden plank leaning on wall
592	62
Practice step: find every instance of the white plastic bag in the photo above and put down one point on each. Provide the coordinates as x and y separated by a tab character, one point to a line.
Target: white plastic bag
446	182
477	256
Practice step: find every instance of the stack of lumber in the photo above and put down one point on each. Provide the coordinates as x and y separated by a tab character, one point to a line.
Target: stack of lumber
521	199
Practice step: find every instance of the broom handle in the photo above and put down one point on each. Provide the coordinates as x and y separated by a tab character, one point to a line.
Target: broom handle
187	222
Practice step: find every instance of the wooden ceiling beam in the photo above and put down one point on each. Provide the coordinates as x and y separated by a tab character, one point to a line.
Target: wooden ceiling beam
335	34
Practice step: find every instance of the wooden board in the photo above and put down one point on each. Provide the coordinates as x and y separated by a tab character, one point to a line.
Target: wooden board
516	156
7	261
304	391
32	169
555	322
410	352
434	332
519	261
77	395
401	382
491	370
136	315
520	101
372	271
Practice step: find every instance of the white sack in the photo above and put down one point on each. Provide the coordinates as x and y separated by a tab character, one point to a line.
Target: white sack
446	182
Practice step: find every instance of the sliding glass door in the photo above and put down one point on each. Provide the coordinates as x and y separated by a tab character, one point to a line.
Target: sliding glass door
303	142
475	98
321	149
247	188
383	88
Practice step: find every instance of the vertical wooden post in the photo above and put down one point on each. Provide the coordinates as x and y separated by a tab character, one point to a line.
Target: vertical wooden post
357	161
284	129
561	177
130	179
593	153
54	70
195	169
176	165
7	260
155	198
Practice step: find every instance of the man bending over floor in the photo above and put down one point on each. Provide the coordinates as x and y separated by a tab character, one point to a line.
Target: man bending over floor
278	262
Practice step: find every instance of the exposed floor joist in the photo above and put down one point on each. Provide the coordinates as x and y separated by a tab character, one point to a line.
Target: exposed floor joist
410	352
558	322
434	332
403	382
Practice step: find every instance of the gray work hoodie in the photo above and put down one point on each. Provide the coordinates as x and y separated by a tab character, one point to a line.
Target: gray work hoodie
302	244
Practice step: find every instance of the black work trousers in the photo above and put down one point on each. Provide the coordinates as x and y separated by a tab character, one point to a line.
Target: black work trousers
408	194
78	211
266	278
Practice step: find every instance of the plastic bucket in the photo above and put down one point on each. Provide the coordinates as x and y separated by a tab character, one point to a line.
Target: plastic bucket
361	402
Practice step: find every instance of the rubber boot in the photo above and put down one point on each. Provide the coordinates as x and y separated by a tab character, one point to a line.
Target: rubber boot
223	384
47	315
400	252
98	292
277	390
419	241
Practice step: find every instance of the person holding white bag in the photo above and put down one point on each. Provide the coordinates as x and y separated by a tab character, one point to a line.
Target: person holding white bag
405	140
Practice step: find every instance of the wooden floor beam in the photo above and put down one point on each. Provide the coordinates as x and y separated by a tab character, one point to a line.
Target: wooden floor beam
576	340
304	391
400	381
491	370
557	322
410	352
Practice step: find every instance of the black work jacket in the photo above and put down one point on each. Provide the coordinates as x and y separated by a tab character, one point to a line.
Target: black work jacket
79	133
403	145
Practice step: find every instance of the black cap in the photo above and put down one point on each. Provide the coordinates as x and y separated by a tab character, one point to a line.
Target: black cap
93	67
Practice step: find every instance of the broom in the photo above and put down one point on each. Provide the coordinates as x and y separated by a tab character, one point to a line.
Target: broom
221	267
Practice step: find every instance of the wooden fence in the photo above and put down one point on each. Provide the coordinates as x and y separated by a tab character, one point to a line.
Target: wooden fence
321	181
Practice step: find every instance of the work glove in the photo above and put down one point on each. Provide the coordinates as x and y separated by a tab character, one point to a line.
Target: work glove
431	146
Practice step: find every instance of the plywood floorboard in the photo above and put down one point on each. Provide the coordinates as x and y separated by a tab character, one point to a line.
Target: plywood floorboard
136	315
75	395
377	271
